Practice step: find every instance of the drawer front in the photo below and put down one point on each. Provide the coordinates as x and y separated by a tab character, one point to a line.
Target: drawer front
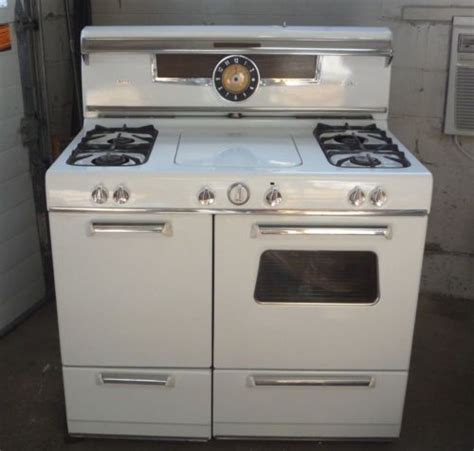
174	403
308	403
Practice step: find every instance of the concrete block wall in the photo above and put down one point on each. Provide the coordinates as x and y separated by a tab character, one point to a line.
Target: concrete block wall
422	31
58	67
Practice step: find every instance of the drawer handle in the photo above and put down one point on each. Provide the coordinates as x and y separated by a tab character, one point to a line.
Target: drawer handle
311	381
137	379
163	228
287	230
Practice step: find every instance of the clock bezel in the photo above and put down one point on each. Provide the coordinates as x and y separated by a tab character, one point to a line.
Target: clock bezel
245	95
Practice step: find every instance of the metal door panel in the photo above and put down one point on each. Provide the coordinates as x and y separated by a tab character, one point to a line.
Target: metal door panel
133	290
250	334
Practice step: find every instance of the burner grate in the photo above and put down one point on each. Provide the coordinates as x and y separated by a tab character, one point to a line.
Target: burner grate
359	147
110	146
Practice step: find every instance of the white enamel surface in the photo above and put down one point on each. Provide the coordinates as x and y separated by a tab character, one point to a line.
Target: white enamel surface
237	149
161	183
240	409
133	299
142	303
336	337
125	80
133	409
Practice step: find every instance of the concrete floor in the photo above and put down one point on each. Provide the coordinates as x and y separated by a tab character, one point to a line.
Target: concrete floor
439	410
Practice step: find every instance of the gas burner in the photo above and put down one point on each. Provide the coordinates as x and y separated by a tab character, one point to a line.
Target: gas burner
121	141
359	147
362	160
111	159
352	141
108	146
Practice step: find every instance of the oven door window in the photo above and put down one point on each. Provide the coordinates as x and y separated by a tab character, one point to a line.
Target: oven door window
312	277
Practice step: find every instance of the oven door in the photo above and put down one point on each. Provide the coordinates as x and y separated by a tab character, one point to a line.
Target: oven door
316	292
133	290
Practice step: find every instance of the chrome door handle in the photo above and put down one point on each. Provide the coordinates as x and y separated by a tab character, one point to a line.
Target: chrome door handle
289	230
136	379
311	381
163	228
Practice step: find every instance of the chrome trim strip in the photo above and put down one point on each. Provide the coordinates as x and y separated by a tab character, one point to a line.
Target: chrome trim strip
136	379
287	230
310	381
130	227
122	110
241	211
365	47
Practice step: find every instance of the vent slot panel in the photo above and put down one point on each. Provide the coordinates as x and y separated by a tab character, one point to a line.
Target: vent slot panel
466	43
459	114
464	105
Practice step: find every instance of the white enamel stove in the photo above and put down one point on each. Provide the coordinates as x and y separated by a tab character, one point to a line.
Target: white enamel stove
237	230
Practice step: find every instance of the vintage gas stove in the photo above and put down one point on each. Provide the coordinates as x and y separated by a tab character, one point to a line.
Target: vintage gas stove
237	236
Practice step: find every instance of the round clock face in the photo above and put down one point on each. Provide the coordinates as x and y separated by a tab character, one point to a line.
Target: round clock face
236	78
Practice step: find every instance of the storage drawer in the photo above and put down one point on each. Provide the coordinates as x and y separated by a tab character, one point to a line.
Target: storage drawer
308	403
169	403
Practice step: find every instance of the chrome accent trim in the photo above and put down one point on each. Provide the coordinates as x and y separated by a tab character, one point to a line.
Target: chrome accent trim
293	230
309	381
123	111
238	186
206	196
235	56
241	211
280	438
136	379
364	47
181	81
207	81
356	197
130	227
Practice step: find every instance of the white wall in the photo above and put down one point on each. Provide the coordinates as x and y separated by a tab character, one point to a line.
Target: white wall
421	42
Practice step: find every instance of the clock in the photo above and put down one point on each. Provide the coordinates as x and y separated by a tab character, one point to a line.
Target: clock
236	78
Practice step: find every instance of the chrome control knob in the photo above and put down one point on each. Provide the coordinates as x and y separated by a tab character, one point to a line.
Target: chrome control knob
238	194
378	197
206	197
357	197
273	197
121	195
100	195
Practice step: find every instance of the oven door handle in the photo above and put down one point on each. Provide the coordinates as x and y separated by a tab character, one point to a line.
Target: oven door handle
310	381
136	379
290	230
162	228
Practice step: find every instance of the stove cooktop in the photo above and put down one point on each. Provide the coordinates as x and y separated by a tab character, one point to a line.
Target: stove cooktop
367	146
114	146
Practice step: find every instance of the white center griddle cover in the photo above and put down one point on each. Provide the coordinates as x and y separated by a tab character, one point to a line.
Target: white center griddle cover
237	150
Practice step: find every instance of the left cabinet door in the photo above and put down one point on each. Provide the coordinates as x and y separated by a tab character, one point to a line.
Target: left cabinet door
133	289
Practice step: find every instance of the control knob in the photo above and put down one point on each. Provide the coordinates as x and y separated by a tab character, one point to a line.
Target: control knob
100	195
206	197
357	197
273	197
121	195
378	197
238	194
